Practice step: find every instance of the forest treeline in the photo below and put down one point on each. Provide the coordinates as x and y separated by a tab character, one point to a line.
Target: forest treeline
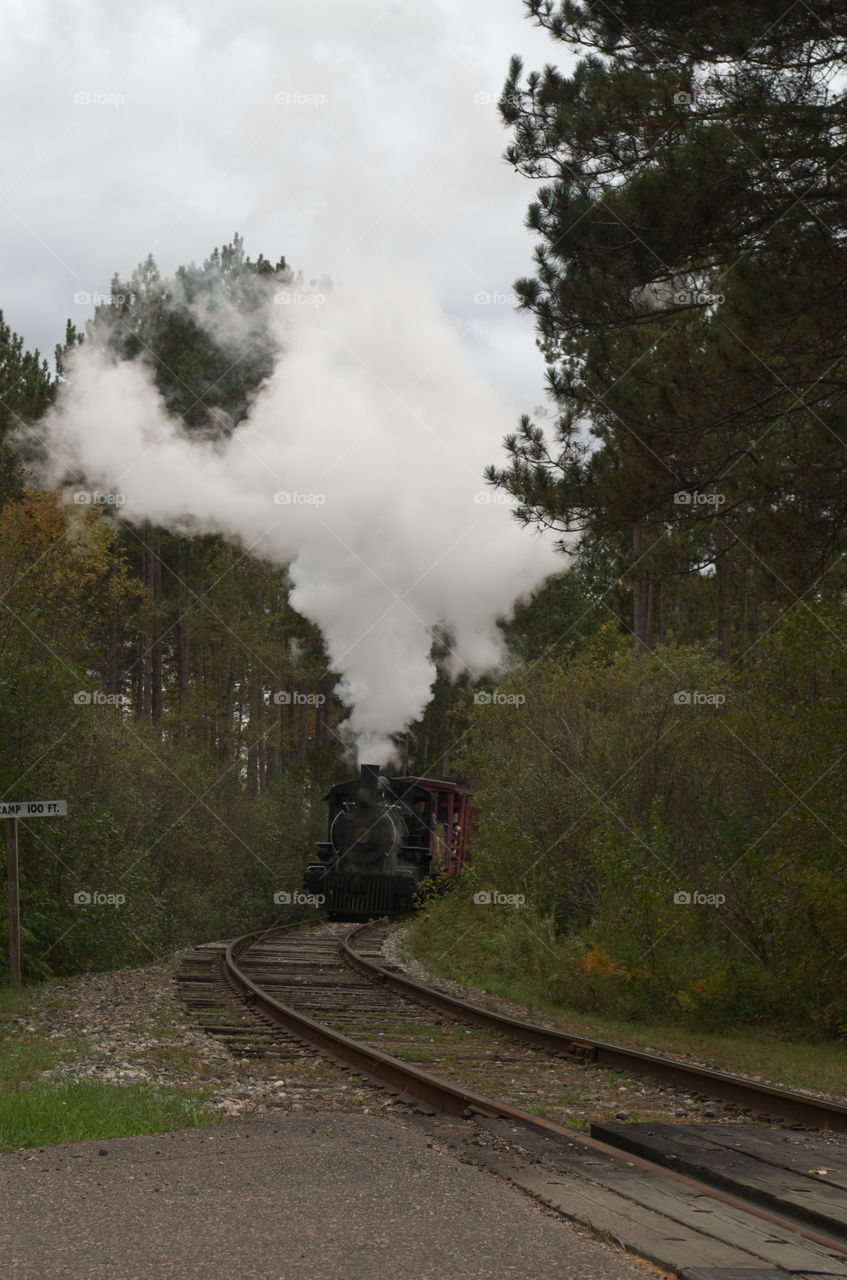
160	682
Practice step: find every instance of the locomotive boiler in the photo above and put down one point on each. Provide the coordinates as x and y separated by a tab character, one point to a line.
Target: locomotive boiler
385	835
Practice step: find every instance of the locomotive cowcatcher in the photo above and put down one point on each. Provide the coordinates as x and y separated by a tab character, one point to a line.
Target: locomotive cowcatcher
385	835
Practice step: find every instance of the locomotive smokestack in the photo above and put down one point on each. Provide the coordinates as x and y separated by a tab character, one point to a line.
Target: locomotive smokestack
369	780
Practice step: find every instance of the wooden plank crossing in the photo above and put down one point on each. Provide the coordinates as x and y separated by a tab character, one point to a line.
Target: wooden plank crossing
669	1243
797	1152
682	1228
733	1273
690	1149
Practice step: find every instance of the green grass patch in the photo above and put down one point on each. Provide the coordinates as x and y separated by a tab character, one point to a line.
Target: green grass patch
37	1112
414	1055
80	1110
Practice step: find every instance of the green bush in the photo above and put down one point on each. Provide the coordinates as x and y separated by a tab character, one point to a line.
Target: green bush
604	796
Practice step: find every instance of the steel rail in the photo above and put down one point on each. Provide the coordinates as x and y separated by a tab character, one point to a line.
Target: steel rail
784	1104
414	1084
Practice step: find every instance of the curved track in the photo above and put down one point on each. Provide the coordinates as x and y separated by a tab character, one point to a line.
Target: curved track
323	986
321	983
712	1211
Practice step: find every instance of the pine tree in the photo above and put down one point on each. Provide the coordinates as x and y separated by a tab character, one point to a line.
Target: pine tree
219	638
691	217
27	387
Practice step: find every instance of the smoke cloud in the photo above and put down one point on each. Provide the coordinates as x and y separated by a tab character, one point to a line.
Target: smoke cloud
359	466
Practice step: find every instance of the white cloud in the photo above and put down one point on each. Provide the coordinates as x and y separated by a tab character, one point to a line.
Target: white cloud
399	164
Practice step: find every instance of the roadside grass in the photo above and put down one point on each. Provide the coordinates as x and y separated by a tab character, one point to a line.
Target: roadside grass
816	1066
80	1110
35	1112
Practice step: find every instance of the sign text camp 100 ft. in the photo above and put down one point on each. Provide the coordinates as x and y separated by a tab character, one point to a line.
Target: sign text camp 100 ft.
33	808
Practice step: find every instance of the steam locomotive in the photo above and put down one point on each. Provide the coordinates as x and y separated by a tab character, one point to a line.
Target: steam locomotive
385	835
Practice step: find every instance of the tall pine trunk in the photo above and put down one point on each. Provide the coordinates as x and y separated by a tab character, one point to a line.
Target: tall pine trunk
642	593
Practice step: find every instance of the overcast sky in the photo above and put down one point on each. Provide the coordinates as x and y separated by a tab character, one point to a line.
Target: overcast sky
339	134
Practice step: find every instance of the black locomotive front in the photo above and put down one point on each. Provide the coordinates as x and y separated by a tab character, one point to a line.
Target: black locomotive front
381	843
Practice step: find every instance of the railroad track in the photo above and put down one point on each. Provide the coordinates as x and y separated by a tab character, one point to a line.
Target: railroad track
693	1199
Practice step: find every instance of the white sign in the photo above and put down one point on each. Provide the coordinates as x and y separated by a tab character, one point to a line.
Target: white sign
33	808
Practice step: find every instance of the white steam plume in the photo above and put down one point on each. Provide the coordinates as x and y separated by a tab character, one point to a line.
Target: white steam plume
359	465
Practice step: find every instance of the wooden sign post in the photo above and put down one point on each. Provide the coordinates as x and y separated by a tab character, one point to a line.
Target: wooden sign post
13	880
13	810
